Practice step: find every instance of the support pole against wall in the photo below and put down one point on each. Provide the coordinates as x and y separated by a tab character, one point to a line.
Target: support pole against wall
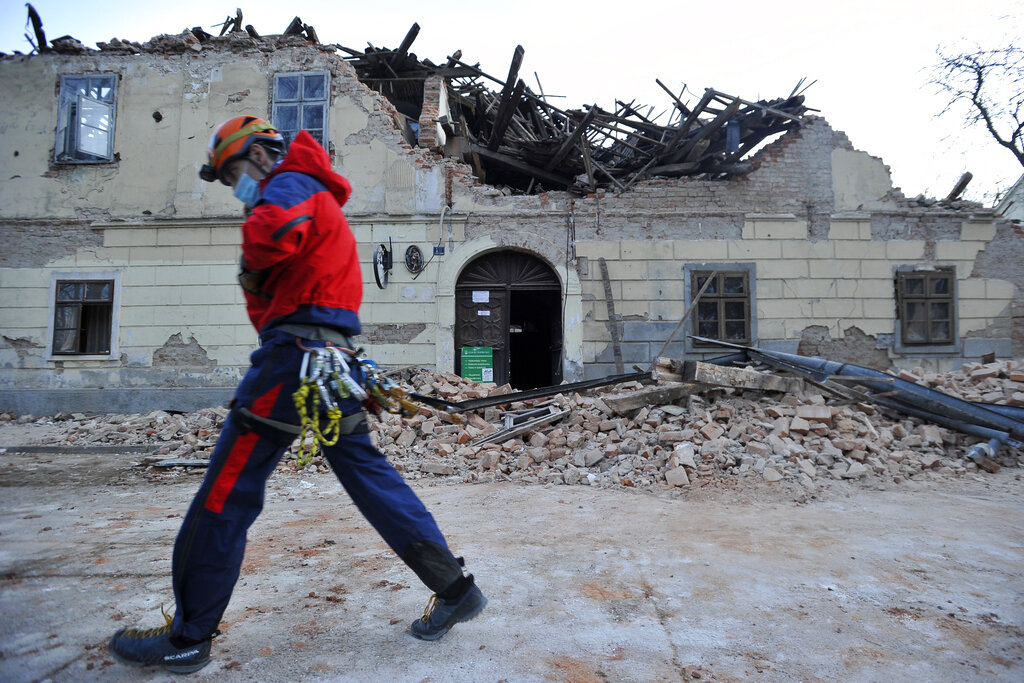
613	323
682	321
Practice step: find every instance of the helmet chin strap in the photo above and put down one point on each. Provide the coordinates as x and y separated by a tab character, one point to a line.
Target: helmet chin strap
261	169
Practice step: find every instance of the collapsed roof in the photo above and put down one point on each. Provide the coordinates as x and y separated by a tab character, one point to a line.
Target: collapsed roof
515	137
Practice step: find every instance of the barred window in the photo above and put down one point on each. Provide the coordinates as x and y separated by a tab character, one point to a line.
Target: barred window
723	311
83	317
85	119
926	306
300	103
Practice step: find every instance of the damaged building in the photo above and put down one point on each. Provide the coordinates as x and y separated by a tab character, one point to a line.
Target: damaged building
501	237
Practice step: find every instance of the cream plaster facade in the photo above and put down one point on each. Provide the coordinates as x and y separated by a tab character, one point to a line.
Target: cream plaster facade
817	223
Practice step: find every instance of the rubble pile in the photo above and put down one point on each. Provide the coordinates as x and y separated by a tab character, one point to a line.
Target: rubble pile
1000	382
722	433
719	437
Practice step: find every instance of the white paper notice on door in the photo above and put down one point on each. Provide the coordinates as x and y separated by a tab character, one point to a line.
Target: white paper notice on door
487	374
483	312
481	296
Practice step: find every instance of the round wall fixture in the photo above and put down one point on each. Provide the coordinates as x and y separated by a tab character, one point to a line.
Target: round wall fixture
381	265
414	259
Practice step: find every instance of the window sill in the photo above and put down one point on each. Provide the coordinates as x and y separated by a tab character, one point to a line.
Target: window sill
84	360
85	162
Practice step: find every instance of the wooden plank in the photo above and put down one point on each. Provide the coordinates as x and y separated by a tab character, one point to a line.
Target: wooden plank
640	173
37	28
403	49
571	141
682	321
539	100
723	376
610	177
456	56
642	125
764	107
684	127
613	323
510	86
709	128
679	103
623	404
698	152
606	124
506	110
588	164
738	168
520	166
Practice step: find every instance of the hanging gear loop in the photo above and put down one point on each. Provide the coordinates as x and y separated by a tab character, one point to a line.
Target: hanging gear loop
331	374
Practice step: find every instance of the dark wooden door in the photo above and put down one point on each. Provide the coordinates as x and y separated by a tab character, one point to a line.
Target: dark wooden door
483	308
481	319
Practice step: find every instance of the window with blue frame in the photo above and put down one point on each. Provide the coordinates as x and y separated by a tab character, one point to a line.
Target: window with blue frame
300	103
85	119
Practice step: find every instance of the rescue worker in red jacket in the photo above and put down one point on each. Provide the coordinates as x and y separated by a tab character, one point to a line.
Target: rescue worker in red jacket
303	288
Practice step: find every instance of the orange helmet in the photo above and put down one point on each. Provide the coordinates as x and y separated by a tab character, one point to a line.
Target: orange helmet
231	141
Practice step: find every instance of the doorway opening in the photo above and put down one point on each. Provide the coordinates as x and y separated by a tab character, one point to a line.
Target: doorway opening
511	303
535	338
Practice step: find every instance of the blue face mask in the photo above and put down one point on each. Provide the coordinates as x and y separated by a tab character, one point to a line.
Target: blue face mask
247	190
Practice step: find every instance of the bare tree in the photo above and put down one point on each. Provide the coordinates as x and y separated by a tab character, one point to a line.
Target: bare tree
990	83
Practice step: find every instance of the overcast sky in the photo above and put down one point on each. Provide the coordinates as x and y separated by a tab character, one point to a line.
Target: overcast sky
871	58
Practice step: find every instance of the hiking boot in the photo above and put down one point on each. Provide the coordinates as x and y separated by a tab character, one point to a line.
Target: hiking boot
440	614
136	647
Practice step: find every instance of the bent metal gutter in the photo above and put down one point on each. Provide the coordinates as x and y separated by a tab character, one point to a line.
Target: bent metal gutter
986	421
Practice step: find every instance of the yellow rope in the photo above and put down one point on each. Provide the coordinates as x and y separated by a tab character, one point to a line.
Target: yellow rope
309	421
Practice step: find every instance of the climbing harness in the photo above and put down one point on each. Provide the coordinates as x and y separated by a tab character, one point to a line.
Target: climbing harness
331	374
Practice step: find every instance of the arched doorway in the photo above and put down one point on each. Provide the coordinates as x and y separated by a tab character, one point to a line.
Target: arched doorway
510	302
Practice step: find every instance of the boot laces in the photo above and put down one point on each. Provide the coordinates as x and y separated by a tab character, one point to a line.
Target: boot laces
431	604
138	634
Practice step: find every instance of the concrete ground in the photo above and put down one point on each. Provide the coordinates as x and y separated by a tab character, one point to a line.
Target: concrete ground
917	583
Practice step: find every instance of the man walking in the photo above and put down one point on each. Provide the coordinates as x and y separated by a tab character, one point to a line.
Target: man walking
303	289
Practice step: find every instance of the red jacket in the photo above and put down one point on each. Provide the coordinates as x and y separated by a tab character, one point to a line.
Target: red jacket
297	236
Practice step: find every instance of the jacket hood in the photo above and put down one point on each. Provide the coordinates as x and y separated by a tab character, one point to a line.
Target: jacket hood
305	155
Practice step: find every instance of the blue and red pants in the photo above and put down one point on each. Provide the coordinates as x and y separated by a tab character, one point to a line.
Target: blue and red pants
211	543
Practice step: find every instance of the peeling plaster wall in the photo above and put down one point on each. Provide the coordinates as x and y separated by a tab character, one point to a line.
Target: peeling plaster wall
33	244
817	222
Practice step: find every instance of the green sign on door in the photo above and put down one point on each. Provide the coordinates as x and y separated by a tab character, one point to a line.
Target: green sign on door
478	363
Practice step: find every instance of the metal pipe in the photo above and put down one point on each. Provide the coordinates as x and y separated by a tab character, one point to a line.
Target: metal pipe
922	397
909	396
